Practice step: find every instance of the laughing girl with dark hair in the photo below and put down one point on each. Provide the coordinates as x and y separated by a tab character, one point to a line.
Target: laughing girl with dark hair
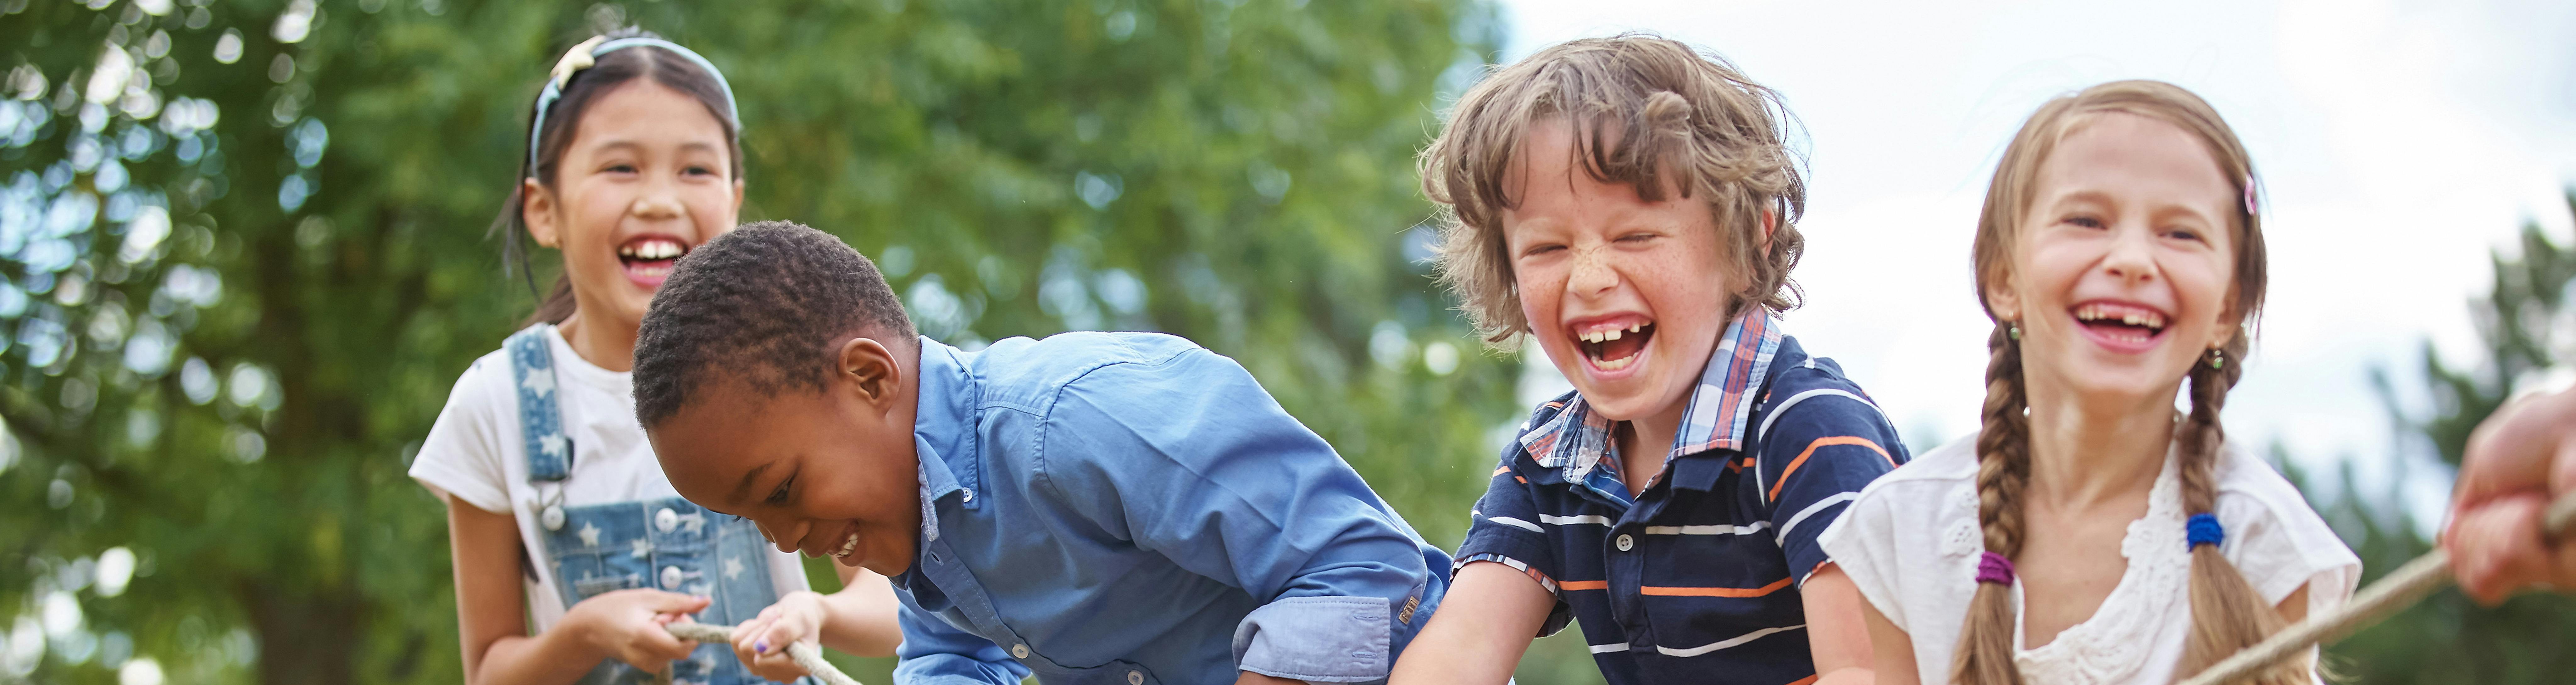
558	511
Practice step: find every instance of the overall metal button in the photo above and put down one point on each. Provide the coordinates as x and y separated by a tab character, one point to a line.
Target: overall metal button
1019	651
553	517
671	578
666	519
1135	678
1626	543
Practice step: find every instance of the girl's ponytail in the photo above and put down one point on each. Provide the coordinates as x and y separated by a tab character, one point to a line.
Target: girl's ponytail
2227	614
1985	654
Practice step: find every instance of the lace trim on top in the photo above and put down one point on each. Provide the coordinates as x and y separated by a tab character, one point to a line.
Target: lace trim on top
2111	646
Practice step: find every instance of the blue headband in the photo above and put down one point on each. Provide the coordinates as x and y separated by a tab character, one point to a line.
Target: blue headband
587	53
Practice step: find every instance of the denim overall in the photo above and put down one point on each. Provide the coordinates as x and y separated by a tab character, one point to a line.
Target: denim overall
667	544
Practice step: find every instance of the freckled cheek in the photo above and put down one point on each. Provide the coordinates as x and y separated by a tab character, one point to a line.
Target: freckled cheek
1541	290
1681	290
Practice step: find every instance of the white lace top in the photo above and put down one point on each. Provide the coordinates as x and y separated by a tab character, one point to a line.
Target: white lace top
1911	544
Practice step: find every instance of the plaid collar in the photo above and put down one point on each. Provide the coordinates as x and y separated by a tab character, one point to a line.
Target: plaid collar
1575	440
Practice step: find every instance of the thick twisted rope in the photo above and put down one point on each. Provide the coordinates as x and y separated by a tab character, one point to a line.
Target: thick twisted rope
806	656
2396	591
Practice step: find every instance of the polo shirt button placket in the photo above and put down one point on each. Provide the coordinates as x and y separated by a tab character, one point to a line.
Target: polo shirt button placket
1135	677
1020	651
1626	543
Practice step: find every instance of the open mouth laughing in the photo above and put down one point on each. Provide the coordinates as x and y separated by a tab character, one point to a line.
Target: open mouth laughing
2125	326
647	260
849	543
1612	343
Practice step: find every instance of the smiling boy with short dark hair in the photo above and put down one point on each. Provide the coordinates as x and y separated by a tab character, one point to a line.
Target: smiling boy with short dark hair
1092	507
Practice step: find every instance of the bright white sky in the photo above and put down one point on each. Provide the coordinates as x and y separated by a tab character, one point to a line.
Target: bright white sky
2399	143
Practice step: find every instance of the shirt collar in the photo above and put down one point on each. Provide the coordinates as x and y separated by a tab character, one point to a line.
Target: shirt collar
942	429
1720	408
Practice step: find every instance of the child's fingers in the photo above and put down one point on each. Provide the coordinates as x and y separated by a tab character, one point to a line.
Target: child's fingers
776	667
651	649
775	637
770	639
659	641
747	643
2497	548
2514	449
675	603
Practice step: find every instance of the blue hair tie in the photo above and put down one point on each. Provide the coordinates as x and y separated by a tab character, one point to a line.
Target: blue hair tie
2203	529
587	53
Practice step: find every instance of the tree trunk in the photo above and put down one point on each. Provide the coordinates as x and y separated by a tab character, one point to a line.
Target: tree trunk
305	638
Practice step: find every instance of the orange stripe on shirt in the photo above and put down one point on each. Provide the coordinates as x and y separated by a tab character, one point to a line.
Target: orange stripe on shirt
1809	680
1503	470
1583	585
1713	591
1825	442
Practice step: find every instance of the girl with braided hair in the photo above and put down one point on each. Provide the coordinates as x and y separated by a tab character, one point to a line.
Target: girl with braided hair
2090	533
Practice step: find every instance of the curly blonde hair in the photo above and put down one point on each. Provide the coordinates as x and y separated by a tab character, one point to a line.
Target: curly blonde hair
1647	112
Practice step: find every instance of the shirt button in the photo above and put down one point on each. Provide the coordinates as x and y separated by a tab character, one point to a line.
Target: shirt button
553	517
1626	543
1020	651
666	519
1135	678
969	496
671	578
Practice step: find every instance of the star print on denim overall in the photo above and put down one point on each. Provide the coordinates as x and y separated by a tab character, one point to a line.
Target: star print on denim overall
668	544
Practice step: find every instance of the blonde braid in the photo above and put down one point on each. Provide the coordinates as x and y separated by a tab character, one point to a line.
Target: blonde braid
2227	614
1985	654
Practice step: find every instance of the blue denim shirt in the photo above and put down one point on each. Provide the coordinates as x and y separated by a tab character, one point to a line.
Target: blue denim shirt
1130	508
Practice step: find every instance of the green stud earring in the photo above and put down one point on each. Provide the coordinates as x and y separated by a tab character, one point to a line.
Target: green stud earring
2012	330
2217	358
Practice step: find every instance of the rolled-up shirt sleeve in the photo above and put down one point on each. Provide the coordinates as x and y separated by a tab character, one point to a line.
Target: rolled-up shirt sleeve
1189	458
1503	529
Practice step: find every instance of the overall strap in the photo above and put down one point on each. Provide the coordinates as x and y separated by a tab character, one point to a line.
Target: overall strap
532	364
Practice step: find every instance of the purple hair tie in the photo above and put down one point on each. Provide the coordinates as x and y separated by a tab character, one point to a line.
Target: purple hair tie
1994	568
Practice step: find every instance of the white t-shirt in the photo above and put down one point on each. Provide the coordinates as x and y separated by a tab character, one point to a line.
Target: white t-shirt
1911	543
477	455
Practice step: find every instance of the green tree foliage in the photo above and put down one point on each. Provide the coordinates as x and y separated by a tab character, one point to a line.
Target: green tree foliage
2528	326
243	255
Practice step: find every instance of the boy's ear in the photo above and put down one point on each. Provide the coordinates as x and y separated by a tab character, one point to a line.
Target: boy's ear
537	212
870	369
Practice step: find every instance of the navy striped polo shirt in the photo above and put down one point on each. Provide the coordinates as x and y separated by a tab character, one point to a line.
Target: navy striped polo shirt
1696	579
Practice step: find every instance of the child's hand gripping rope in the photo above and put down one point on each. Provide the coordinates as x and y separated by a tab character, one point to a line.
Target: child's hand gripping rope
806	655
2399	589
